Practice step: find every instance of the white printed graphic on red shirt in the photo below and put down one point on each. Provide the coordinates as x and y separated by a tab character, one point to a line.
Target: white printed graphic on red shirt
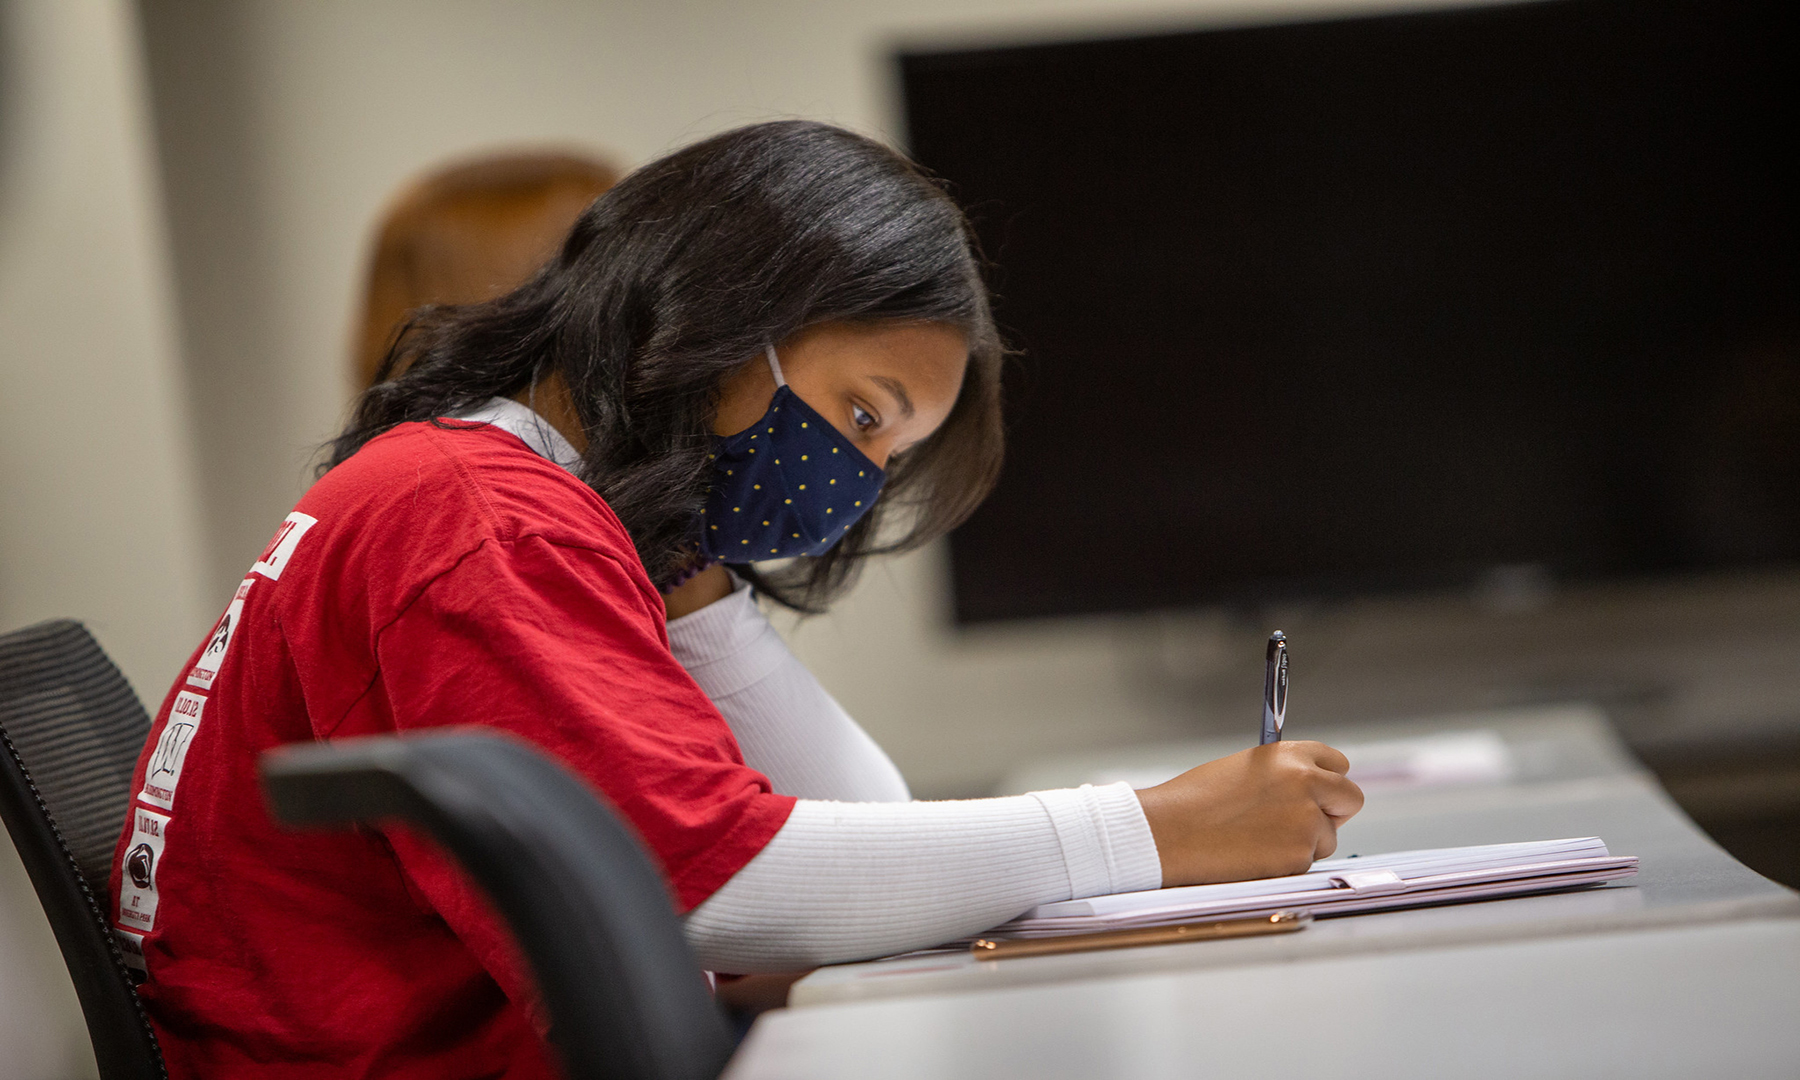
206	669
275	557
131	946
137	878
164	770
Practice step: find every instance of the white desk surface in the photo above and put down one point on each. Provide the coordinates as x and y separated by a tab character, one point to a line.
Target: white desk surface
1574	779
1719	999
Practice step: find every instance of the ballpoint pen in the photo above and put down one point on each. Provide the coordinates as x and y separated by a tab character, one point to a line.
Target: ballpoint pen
1275	677
1278	922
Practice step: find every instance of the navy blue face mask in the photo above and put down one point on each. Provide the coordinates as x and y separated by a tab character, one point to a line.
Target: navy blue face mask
789	484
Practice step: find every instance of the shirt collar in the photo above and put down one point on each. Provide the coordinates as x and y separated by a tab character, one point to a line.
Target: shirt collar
531	429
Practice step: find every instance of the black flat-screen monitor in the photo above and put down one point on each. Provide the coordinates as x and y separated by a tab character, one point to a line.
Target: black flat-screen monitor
1381	303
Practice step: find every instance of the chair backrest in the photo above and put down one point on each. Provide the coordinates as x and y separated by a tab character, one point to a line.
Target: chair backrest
626	997
71	730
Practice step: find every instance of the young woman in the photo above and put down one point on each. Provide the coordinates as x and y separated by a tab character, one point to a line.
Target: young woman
547	520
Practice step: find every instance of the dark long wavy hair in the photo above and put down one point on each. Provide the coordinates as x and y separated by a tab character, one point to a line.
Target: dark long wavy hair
676	278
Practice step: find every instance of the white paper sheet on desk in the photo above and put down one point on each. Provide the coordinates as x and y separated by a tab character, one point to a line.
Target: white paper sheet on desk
1345	886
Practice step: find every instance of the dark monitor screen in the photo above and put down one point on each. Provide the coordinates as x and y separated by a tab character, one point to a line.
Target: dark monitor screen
1381	303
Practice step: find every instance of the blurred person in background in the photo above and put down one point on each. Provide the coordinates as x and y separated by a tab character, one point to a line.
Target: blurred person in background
466	233
750	367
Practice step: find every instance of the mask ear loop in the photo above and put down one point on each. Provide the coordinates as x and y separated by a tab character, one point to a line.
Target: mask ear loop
774	366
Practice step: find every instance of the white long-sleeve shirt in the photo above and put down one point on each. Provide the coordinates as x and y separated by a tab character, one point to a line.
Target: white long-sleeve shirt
787	726
858	871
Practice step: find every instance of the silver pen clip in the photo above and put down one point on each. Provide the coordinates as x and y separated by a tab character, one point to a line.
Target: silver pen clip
1275	678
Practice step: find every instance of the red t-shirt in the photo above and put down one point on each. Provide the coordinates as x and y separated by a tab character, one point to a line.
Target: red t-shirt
438	577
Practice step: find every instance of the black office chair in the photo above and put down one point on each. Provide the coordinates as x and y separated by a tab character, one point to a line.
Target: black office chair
72	729
626	997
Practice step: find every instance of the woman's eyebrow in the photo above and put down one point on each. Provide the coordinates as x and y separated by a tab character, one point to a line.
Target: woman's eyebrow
898	389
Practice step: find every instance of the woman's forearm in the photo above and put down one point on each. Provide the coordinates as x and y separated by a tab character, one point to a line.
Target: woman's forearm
847	881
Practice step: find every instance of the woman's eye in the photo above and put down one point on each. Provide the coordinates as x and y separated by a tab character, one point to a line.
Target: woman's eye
861	417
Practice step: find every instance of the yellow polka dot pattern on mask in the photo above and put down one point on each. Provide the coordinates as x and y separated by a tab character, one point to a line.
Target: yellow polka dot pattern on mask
798	499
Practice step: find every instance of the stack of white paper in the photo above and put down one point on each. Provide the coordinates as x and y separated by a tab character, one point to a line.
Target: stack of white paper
1342	886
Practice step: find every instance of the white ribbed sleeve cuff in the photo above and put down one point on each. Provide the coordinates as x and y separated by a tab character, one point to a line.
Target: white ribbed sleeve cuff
1106	842
847	881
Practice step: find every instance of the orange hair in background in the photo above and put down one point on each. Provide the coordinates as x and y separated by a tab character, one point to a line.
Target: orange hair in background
469	232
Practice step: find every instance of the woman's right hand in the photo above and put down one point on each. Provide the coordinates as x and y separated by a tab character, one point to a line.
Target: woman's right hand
1263	812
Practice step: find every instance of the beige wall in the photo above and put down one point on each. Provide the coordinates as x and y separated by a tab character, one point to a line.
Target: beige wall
97	500
98	515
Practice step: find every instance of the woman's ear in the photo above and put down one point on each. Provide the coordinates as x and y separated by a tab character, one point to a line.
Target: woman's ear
743	396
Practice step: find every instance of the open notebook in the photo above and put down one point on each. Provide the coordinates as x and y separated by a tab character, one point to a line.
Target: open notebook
1343	886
